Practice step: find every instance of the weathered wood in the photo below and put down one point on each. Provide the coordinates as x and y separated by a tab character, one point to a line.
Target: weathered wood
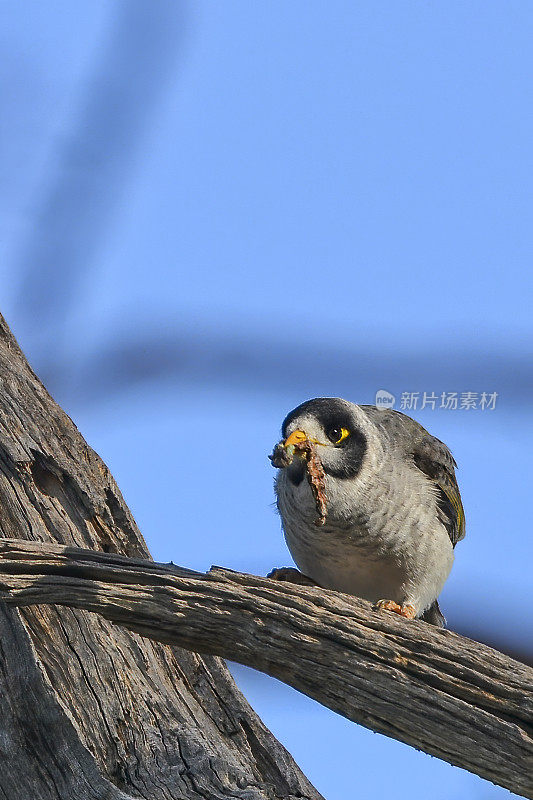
454	698
89	710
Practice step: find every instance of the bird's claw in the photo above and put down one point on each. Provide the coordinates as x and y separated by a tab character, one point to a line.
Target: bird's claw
408	611
290	575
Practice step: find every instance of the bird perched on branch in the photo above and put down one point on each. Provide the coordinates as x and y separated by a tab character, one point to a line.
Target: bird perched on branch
388	505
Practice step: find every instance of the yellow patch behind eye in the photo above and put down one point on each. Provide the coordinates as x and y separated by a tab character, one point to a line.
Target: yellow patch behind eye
344	433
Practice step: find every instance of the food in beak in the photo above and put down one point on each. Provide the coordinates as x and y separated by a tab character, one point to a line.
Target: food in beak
283	456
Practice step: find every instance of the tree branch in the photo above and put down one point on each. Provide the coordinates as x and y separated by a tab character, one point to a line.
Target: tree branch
449	696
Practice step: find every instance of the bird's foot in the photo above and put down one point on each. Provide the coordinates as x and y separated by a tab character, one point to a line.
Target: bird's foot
408	611
291	575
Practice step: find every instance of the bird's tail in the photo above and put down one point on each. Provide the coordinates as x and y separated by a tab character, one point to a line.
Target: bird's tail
434	615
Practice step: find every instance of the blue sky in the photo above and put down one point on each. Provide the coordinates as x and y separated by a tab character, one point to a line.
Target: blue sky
212	211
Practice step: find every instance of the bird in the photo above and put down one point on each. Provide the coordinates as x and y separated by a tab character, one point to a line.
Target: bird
390	511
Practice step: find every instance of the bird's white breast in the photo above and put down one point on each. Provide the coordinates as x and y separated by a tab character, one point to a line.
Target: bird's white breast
382	538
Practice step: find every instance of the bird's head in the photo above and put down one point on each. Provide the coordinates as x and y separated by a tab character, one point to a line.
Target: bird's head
338	430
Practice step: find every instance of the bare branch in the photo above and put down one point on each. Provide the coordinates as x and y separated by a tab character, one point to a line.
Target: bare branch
449	696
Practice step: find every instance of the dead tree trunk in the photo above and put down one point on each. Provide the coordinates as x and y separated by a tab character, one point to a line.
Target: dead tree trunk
87	710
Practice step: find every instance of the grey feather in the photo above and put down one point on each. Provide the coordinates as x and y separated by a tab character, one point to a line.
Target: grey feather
432	457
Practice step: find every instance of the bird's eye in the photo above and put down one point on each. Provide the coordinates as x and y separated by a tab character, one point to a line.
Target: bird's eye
336	435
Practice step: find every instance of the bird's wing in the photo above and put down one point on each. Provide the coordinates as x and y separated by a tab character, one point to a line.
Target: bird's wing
433	458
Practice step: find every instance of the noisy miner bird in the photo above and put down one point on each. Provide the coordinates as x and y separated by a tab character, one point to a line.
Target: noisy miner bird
390	512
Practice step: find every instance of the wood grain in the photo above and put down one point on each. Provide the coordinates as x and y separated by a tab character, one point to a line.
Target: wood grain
89	710
442	693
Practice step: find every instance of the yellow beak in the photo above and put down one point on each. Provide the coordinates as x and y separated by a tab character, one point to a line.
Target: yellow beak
296	437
